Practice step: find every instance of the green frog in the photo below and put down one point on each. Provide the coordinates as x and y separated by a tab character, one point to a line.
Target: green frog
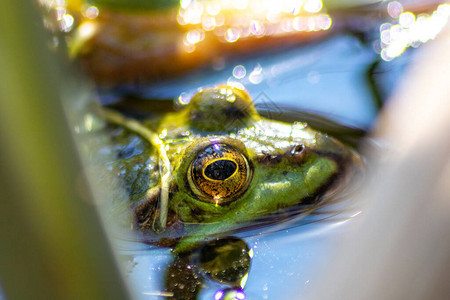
217	164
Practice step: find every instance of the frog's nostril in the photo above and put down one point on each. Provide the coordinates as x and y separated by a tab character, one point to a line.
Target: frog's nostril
297	153
297	149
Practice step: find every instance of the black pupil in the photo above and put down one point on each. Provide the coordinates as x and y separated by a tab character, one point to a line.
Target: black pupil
220	169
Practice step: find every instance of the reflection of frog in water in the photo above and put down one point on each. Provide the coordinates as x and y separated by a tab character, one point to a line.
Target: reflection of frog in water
218	163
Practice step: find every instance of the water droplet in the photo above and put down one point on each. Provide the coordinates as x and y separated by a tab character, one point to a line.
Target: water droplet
66	23
91	12
394	9
195	36
256	28
324	22
407	19
313	6
256	76
232	35
229	294
239	71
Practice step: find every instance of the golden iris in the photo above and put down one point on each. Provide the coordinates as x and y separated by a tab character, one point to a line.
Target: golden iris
219	174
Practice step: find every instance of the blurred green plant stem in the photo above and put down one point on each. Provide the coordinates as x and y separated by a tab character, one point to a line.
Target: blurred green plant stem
52	244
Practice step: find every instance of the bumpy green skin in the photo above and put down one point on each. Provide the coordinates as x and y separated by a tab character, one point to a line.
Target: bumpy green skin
279	180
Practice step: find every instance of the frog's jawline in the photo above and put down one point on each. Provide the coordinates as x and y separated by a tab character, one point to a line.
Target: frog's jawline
343	163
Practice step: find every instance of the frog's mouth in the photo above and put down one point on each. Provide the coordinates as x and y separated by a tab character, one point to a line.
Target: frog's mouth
343	182
348	166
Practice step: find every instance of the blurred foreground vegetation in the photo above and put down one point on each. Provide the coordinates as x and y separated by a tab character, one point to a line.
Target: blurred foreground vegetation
52	244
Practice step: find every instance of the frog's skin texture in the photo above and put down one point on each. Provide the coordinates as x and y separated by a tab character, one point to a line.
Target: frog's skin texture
228	165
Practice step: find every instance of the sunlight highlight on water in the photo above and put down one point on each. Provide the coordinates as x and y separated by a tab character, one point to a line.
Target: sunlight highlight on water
409	30
234	20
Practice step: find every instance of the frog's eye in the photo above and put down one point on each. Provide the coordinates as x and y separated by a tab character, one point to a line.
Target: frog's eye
219	174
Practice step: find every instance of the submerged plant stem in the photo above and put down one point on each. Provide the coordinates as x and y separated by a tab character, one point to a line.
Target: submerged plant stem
164	167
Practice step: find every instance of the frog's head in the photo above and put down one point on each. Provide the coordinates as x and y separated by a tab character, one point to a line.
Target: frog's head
230	172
